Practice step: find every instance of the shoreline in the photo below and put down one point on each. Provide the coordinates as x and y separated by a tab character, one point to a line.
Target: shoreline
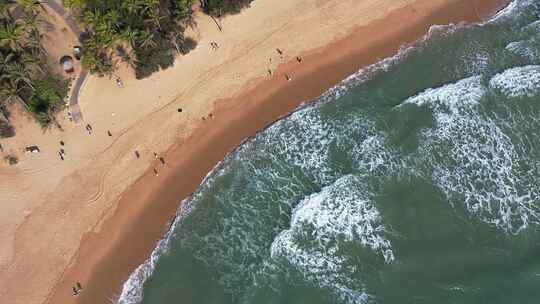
106	259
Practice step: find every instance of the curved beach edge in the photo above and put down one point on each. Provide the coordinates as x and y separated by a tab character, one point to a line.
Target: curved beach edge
146	209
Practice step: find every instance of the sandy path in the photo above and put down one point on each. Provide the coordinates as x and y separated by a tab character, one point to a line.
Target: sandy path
48	205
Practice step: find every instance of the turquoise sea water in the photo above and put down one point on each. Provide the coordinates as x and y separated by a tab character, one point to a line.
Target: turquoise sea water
416	180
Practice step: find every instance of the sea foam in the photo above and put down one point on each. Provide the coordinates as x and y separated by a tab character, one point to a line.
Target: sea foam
518	81
473	160
325	223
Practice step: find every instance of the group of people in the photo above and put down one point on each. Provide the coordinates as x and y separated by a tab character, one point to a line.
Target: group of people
280	52
214	45
161	160
77	289
88	128
156	156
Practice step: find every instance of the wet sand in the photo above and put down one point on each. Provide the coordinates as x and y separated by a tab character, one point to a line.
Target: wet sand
106	259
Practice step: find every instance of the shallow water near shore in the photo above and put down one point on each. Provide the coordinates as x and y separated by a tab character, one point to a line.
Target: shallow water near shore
416	180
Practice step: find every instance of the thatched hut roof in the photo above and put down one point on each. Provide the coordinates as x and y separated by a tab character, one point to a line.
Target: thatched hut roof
67	63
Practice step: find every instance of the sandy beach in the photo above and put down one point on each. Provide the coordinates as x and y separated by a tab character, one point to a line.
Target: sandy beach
96	216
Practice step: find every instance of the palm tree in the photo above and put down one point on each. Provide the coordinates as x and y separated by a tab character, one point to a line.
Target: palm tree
153	12
130	36
155	18
4	7
31	23
33	63
5	61
146	39
33	6
93	18
132	7
128	57
10	94
31	20
74	4
112	18
19	75
11	35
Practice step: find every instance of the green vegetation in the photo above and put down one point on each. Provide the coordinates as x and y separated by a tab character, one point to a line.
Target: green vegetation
24	75
47	98
6	130
147	34
218	8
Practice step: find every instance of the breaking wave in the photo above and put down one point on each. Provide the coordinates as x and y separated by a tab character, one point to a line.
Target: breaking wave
518	82
473	160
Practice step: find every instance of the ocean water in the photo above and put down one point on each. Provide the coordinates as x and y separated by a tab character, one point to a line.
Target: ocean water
416	180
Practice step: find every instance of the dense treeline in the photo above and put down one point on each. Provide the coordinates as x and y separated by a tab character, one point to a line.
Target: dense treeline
147	34
219	8
25	77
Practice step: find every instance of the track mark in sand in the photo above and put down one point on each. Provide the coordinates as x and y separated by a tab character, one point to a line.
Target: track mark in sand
102	179
31	171
99	193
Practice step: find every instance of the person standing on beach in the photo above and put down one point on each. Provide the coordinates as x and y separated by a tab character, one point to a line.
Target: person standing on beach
119	82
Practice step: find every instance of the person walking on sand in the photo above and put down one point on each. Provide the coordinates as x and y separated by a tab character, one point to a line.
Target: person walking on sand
156	172
137	154
119	82
109	133
75	291
162	160
79	286
288	77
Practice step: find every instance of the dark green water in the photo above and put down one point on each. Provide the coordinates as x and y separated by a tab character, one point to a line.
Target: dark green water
415	181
